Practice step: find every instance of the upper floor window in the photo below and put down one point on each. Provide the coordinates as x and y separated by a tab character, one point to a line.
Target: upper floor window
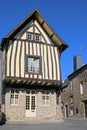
71	86
34	64
81	87
14	97
29	36
37	38
71	99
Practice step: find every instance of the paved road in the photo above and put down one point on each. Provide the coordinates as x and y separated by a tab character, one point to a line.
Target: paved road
66	125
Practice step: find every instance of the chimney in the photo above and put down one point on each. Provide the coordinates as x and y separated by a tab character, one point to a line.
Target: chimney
77	62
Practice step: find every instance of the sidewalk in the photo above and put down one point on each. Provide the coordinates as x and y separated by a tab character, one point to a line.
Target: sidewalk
75	118
34	121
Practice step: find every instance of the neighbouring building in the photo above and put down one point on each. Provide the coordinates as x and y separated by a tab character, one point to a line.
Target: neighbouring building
0	76
31	70
74	94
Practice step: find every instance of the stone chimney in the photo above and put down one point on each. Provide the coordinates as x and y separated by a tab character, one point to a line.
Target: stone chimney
77	62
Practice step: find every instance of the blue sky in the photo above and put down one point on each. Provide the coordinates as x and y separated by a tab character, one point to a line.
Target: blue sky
67	17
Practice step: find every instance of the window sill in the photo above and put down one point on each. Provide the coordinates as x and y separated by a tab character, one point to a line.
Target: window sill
14	105
40	73
46	105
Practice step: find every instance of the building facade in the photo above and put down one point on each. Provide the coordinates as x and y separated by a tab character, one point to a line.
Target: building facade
31	71
74	94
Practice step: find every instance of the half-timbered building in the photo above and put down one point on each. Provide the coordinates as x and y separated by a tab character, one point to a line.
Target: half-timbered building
31	71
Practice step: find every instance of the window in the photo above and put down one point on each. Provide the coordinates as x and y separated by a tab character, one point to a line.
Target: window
34	64
32	36
37	38
71	86
81	87
71	99
14	97
29	36
46	97
76	110
71	111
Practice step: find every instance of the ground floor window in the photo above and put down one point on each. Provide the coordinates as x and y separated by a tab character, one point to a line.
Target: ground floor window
71	111
76	110
14	96
46	97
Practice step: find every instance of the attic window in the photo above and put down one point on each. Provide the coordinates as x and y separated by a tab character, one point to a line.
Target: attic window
29	36
37	37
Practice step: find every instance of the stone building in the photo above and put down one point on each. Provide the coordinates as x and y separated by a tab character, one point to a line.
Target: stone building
74	94
31	70
0	75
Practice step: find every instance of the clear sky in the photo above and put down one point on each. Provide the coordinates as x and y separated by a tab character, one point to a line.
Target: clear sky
67	17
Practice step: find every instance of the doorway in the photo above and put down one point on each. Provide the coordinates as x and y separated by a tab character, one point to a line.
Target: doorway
85	108
30	103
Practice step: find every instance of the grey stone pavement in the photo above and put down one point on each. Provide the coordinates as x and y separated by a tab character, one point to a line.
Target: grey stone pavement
68	124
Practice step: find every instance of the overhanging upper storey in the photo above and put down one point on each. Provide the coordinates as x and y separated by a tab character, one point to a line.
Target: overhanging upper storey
47	28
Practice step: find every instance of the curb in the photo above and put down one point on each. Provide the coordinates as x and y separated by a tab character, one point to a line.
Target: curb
34	121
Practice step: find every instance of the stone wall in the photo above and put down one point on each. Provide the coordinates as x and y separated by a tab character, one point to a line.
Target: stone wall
17	112
78	97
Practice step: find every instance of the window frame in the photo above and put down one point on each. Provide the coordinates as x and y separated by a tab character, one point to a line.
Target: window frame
14	94
29	33
81	87
76	110
37	39
34	36
45	102
71	86
40	64
71	99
